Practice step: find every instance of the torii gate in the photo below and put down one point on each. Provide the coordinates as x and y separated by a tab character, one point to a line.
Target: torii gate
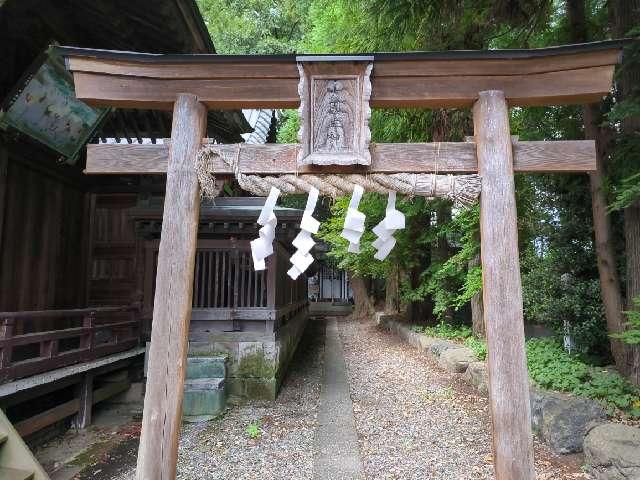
488	81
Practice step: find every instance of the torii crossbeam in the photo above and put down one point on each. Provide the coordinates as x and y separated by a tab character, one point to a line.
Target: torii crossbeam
488	81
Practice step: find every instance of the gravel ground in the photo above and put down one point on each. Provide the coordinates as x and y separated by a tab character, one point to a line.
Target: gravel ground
416	421
222	449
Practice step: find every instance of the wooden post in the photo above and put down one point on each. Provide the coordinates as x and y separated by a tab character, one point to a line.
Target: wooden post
85	395
502	292
162	417
4	183
6	350
87	341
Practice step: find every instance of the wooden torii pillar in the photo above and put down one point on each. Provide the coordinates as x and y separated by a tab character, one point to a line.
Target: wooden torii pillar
162	415
489	82
502	291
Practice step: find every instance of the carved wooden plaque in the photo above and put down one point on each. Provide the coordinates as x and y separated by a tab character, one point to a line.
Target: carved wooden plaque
334	110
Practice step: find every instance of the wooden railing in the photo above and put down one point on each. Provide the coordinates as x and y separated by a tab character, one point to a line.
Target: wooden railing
99	332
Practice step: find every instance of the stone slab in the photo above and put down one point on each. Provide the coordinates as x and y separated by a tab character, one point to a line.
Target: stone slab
206	367
204	397
337	455
563	420
612	452
457	360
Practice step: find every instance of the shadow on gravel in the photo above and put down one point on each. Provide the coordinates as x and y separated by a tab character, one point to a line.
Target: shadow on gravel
310	349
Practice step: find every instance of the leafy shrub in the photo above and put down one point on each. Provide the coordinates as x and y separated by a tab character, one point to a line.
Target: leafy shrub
631	335
478	346
551	367
550	300
445	330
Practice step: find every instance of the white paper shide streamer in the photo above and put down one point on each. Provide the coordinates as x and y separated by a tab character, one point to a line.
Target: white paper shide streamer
262	246
393	220
354	221
303	242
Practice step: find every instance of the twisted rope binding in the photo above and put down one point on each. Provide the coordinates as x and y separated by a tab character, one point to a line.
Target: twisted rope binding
461	189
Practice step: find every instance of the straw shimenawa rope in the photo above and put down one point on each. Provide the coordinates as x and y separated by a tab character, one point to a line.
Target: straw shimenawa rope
462	189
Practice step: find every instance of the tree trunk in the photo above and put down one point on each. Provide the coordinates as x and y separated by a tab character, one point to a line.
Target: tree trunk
605	251
362	299
477	307
392	291
632	249
625	15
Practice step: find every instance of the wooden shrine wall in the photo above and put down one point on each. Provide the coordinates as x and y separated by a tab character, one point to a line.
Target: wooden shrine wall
42	229
113	277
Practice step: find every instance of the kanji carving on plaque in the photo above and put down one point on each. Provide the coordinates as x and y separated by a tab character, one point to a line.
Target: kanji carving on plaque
334	111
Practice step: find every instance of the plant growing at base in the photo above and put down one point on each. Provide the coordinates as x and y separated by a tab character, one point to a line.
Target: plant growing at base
631	335
253	430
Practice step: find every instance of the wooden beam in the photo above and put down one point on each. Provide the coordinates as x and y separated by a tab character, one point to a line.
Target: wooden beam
579	74
502	292
162	415
273	159
48	417
249	67
551	88
160	93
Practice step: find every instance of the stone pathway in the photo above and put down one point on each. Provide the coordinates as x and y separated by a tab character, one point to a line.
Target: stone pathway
337	455
379	410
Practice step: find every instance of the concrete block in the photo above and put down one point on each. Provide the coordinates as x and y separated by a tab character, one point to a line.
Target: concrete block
206	367
204	397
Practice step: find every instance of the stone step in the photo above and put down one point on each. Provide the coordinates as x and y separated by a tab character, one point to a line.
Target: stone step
206	367
15	474
204	397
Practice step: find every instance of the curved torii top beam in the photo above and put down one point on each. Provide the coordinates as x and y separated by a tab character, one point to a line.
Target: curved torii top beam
570	74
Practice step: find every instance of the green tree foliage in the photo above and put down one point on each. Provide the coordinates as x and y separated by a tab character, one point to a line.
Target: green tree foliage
560	278
255	26
626	154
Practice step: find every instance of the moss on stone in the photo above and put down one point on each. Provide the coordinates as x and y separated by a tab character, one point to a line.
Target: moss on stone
209	353
91	454
256	365
260	389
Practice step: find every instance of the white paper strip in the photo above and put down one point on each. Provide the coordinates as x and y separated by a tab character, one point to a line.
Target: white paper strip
393	220
293	272
303	242
385	249
354	221
262	246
